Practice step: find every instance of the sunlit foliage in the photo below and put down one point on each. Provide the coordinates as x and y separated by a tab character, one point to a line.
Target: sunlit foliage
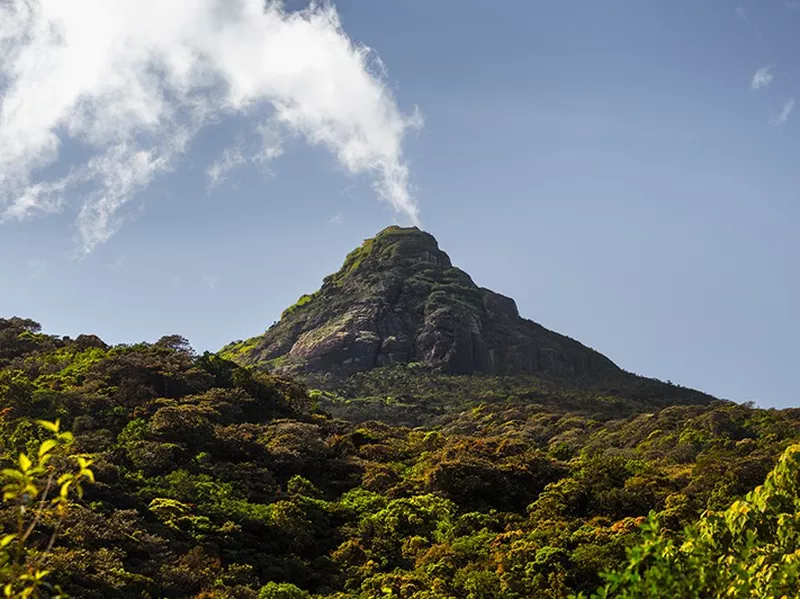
214	481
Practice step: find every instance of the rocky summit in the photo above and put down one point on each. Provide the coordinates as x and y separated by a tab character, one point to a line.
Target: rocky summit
398	299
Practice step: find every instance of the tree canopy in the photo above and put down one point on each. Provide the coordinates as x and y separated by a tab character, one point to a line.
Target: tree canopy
217	481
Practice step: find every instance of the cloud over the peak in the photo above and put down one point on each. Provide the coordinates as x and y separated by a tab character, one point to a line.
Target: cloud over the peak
128	84
761	78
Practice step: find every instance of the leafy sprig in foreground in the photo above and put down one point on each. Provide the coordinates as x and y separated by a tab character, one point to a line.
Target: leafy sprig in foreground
39	489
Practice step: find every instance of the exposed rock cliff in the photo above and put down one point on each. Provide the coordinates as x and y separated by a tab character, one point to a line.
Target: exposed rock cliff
398	298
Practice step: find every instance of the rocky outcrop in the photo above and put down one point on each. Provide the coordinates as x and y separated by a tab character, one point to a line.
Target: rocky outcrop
398	298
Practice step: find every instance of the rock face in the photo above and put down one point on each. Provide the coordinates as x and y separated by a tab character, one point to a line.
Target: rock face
398	298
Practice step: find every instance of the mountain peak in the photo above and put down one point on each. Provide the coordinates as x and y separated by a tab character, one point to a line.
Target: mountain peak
398	299
393	247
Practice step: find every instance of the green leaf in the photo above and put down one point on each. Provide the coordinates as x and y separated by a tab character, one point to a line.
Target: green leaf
24	462
47	446
50	426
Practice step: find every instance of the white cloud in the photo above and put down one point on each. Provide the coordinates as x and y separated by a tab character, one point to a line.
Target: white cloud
761	78
127	84
271	143
336	219
266	148
230	159
788	106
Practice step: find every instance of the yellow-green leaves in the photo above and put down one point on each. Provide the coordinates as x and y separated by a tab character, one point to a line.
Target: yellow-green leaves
50	426
751	550
31	491
46	447
24	463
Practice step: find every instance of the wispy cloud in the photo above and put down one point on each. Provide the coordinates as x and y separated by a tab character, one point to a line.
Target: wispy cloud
788	106
271	143
761	78
266	147
336	219
230	159
108	80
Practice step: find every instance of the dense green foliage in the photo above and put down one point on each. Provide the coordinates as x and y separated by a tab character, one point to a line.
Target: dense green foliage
752	549
413	395
215	481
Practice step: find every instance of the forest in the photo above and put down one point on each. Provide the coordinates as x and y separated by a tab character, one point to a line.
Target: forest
149	471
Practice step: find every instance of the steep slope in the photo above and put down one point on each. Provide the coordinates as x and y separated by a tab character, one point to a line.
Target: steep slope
398	299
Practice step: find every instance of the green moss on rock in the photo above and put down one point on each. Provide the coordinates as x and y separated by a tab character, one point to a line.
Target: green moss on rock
304	300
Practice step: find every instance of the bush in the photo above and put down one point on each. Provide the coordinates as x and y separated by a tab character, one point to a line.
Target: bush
282	590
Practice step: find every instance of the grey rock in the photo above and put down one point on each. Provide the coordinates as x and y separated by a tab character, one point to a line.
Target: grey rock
399	299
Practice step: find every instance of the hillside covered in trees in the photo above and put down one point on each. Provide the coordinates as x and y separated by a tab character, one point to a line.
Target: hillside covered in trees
216	480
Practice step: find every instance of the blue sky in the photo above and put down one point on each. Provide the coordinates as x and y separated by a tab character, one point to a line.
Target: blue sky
610	165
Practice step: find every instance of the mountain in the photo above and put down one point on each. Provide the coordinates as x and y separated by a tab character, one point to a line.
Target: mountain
398	299
478	455
400	335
